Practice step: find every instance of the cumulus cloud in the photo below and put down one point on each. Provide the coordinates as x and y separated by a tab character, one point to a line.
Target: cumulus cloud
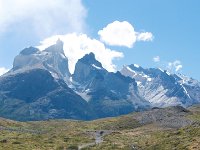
44	17
77	45
122	34
118	33
156	59
175	66
171	66
3	70
145	36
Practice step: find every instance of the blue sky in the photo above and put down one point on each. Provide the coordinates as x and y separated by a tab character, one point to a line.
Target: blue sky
174	25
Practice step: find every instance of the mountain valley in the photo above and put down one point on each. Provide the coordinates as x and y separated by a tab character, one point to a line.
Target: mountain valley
163	129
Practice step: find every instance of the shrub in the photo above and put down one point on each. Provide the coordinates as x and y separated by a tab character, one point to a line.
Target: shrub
16	142
3	141
60	148
72	147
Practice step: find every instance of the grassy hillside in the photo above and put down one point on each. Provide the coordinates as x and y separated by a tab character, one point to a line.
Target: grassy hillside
169	128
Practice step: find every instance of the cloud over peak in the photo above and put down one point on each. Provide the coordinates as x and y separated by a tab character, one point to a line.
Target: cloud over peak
171	66
3	70
77	45
122	34
175	65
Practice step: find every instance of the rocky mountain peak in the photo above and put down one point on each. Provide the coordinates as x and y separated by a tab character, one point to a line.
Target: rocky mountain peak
160	87
51	59
87	67
58	47
136	67
41	80
29	51
90	59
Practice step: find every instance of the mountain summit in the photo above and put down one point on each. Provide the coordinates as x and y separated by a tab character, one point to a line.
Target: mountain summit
40	87
86	68
161	88
51	59
109	94
57	48
36	87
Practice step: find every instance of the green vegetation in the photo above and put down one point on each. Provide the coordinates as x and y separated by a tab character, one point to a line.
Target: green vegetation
126	133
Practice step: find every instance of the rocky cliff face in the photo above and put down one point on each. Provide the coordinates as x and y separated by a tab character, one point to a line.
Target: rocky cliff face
87	68
36	95
52	59
40	86
36	87
109	94
160	87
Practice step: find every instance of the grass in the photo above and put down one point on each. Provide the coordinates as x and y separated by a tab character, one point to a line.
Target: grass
127	133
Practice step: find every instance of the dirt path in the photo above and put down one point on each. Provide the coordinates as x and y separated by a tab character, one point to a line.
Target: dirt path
98	135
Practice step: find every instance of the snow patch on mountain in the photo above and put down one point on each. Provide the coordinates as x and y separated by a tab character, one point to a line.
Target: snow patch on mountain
130	69
186	92
161	88
96	66
136	65
84	95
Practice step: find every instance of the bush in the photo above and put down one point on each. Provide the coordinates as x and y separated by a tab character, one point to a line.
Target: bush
16	142
3	141
60	148
66	139
72	147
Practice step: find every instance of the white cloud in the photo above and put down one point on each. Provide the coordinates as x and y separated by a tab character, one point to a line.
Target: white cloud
122	34
118	33
3	70
175	66
77	45
145	36
43	17
156	59
172	66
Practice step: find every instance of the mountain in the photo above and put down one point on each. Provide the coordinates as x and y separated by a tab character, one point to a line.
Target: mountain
51	59
163	89
40	87
109	94
36	88
191	86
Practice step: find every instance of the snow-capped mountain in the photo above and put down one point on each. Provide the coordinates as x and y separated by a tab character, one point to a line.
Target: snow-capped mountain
161	88
40	86
36	88
109	94
190	85
52	59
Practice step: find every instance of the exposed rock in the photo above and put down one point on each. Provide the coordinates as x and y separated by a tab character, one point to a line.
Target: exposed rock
161	88
110	94
171	117
52	59
36	95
